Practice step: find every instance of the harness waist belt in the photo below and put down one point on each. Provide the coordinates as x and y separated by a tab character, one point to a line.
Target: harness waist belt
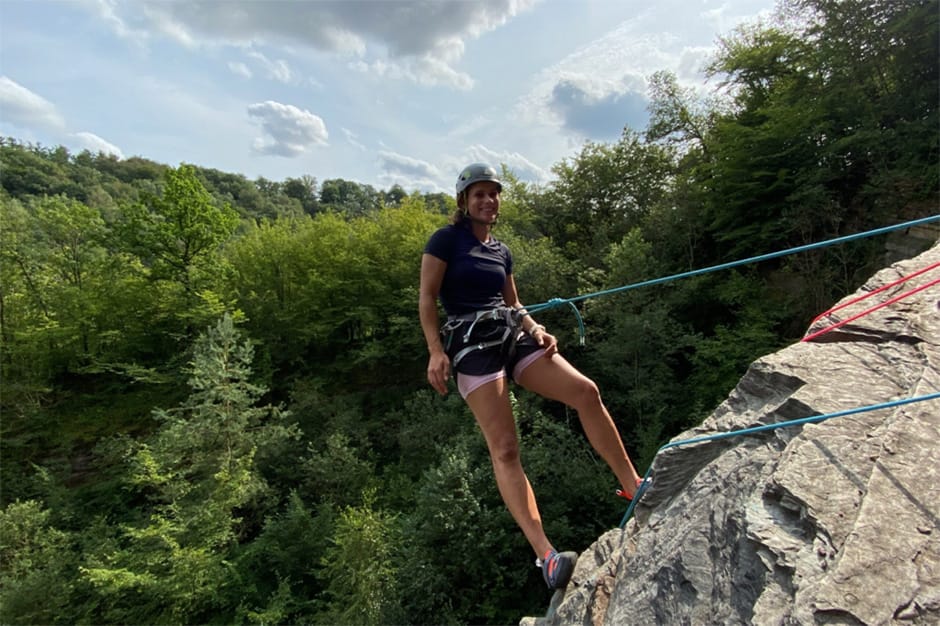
512	317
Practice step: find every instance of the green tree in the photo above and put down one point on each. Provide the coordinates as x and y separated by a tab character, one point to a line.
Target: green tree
349	198
61	307
601	194
37	566
457	513
360	567
178	235
336	473
676	114
180	230
304	190
334	290
24	306
822	137
199	475
282	566
74	235
30	170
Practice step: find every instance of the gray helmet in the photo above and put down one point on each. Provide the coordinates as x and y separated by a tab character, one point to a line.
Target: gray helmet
475	173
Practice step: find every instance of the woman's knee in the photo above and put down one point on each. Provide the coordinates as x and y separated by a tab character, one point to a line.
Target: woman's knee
586	394
505	451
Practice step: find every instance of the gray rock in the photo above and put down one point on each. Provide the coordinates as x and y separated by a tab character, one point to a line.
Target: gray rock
836	522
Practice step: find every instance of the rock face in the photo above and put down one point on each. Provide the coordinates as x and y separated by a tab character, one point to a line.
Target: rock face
829	523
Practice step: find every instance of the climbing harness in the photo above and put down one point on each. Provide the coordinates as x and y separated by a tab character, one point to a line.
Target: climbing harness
511	317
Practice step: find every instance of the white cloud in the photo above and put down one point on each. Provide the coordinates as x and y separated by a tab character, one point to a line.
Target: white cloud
107	10
601	87
420	39
690	64
423	70
240	69
408	172
392	161
163	23
95	144
21	107
519	165
353	139
277	70
609	72
506	80
289	131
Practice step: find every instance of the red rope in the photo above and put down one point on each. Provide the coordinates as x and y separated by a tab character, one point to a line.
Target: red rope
870	294
877	306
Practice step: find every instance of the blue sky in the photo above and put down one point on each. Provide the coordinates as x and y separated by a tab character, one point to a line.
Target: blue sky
379	92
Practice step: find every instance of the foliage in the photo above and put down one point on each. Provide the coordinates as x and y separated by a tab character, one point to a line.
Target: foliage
199	478
305	473
36	566
360	568
603	193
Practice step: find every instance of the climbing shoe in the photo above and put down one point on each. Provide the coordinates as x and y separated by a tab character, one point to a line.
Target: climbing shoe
557	568
639	483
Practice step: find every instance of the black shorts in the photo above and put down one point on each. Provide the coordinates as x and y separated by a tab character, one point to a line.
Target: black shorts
491	359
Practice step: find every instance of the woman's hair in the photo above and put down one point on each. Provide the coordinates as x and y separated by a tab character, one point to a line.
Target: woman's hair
460	214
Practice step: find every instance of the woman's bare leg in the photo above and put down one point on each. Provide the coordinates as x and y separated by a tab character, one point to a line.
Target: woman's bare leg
491	408
555	378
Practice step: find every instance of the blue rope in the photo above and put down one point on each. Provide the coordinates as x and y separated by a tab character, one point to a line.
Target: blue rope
757	429
577	314
714	268
553	302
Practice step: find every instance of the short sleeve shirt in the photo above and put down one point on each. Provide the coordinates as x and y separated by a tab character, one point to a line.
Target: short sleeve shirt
476	271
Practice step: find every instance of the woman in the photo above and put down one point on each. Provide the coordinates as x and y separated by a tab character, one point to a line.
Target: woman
488	337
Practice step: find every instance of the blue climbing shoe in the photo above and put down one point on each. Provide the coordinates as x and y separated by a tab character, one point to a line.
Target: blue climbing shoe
557	568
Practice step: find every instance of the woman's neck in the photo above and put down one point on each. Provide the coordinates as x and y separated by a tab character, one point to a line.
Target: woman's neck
481	231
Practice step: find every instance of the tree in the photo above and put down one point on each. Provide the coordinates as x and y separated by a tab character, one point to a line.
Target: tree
833	131
601	194
74	234
29	170
394	196
178	234
335	290
200	477
180	230
58	273
304	190
282	566
36	566
676	115
361	570
349	198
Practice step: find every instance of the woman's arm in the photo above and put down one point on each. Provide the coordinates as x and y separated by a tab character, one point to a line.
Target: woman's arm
432	275
536	330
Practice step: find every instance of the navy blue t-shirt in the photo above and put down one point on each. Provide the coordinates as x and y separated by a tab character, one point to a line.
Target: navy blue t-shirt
476	271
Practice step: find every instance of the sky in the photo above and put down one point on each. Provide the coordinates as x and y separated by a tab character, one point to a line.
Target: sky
380	92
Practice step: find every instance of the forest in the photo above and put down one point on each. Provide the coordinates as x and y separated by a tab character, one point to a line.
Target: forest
214	405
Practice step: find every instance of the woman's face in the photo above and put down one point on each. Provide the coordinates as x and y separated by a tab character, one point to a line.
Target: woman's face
483	202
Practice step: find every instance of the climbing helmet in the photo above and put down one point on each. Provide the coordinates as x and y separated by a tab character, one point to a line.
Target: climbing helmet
475	173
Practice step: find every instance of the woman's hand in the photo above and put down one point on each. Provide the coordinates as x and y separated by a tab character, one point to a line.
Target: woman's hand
546	340
439	371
